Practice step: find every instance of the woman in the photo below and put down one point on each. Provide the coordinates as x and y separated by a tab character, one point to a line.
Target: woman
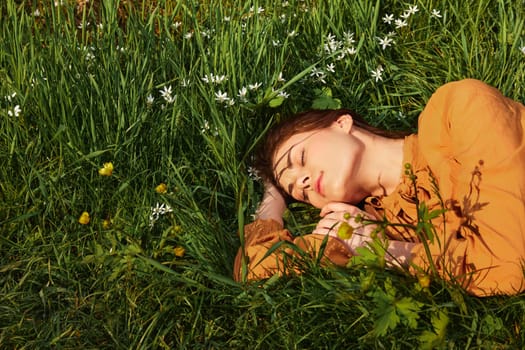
468	157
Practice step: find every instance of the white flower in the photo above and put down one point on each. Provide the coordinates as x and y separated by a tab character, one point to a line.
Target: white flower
205	127
330	67
220	79
280	78
157	211
377	74
292	34
276	43
10	97
90	56
400	23
350	50
176	25
260	10
283	94
255	86
405	15
15	112
185	82
221	97
83	25
436	13
188	35
150	100
522	49
253	173
242	93
285	4
283	18
166	94
227	19
318	74
165	91
388	18
214	79
36	13
385	42
332	45
412	10
349	38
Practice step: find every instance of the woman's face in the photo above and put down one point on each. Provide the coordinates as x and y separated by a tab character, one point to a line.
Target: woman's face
321	166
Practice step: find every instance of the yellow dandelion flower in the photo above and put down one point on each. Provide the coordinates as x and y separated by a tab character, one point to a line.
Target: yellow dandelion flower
162	188
106	224
84	218
179	251
424	280
106	170
345	230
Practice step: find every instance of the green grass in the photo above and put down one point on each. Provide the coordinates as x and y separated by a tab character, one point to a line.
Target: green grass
83	94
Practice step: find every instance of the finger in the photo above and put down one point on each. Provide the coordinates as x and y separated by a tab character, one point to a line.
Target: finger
331	228
328	222
324	231
339	206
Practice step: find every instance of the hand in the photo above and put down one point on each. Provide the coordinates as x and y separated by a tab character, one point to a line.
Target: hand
334	214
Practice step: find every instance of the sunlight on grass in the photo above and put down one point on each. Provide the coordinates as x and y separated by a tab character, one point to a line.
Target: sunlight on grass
125	139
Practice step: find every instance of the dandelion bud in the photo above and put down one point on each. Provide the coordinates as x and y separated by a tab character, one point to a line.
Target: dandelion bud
345	231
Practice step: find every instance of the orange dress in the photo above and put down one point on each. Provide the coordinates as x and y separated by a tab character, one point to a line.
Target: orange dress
470	143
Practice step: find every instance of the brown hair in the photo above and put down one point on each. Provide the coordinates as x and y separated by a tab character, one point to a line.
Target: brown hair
304	122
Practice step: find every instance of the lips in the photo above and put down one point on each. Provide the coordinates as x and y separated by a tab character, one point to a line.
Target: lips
318	187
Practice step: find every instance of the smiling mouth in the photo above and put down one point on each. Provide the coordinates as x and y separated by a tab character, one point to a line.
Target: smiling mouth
318	184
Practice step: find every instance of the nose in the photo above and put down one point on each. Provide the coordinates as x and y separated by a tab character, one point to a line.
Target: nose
303	181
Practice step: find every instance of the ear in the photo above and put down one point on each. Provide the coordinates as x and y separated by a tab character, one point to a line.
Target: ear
344	123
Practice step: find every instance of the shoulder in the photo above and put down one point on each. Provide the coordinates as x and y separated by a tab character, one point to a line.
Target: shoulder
466	102
467	87
464	94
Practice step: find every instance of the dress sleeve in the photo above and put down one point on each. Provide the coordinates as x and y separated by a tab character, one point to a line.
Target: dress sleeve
472	138
254	260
